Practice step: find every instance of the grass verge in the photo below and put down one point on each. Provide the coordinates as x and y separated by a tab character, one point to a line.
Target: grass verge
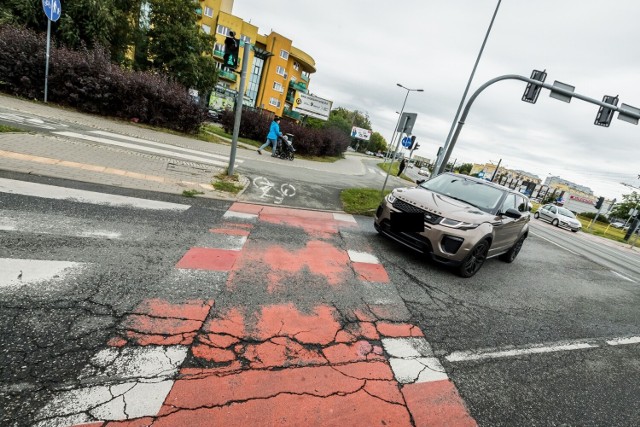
7	128
394	166
227	183
191	193
361	201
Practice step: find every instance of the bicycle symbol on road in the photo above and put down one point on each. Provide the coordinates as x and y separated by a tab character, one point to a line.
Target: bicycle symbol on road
269	190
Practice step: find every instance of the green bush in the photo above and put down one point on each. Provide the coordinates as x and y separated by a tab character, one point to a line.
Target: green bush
88	81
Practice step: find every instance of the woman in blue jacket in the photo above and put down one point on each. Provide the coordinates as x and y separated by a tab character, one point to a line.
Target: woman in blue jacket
272	137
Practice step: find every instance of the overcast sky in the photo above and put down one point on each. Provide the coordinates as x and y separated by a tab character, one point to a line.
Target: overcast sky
362	48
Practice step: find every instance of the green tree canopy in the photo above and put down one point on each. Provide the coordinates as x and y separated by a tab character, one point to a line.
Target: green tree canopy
178	46
377	143
629	201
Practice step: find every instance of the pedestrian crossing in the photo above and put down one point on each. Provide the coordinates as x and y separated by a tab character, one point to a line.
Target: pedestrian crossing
150	147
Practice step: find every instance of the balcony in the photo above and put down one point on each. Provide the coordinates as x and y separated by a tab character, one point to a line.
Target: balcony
298	86
293	114
305	77
219	53
227	75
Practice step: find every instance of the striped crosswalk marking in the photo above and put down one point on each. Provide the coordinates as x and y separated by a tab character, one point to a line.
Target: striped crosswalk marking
61	193
55	224
166	150
18	272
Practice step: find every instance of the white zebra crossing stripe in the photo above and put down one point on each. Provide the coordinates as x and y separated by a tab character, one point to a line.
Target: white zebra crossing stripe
82	196
16	272
59	225
201	158
122	384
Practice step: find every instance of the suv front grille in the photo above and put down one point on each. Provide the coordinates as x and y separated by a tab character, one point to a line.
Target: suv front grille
429	217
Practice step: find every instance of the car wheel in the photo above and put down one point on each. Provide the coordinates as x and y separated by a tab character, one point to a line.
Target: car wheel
575	230
536	215
555	222
510	256
474	261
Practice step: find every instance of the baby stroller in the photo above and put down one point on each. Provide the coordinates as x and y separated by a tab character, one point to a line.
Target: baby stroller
285	148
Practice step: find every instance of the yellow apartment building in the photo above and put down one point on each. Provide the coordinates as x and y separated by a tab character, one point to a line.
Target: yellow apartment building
276	69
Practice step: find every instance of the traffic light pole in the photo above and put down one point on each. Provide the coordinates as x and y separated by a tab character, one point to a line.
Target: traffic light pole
557	89
239	99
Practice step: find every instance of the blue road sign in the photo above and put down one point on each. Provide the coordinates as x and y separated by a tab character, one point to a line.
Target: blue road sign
406	142
52	9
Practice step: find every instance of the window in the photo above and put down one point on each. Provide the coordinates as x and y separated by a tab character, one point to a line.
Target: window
208	12
245	39
218	48
522	205
296	66
221	29
509	203
206	29
284	54
275	102
280	71
278	87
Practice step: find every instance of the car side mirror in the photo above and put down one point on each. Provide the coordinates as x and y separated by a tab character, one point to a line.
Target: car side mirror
512	213
420	181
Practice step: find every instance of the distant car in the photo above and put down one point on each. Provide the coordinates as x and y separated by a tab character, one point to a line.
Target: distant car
424	172
558	216
214	116
379	155
617	224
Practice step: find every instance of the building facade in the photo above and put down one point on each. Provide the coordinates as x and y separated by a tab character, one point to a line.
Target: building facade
276	68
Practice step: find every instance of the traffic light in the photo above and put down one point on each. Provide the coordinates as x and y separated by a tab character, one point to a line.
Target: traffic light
413	142
231	47
599	202
606	114
533	90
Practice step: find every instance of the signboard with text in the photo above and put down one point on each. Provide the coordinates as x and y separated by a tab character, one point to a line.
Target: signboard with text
360	133
311	106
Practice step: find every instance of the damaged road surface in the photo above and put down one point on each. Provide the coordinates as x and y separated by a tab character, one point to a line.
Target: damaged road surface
198	312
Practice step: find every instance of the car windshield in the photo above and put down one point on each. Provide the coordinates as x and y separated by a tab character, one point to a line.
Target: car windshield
566	212
482	196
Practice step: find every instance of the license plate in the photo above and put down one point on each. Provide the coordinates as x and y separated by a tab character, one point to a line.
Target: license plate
404	221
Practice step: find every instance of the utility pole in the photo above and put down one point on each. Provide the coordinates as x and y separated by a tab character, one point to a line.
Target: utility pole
495	172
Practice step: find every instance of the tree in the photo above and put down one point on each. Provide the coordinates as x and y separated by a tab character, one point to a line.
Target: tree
377	143
629	201
179	47
465	168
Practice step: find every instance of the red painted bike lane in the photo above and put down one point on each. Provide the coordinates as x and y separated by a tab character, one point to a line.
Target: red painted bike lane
308	331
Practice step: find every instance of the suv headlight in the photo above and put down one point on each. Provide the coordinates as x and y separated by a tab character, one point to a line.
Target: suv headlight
391	198
460	225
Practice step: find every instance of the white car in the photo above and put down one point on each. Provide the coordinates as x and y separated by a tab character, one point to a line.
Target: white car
558	216
617	224
424	172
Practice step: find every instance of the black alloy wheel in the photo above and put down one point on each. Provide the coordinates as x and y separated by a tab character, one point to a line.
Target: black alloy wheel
475	260
510	256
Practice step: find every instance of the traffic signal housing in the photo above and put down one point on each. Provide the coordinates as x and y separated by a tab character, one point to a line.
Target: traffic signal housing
606	114
599	202
231	48
533	90
413	143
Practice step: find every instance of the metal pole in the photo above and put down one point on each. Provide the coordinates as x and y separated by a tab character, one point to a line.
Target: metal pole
496	171
239	99
46	67
395	129
466	90
386	178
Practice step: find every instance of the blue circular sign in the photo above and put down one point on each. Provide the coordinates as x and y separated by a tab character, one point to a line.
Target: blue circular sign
52	9
406	142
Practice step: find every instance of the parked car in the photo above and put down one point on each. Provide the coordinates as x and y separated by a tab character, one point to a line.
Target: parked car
617	224
558	216
424	172
457	220
214	116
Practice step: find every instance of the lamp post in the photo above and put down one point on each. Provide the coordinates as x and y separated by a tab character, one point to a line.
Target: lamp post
394	134
399	118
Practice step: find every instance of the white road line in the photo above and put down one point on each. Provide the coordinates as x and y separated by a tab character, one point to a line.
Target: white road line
623	277
82	196
201	158
465	356
18	272
158	144
624	341
552	242
59	225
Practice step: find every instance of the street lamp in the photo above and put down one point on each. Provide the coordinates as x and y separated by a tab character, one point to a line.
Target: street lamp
395	129
400	117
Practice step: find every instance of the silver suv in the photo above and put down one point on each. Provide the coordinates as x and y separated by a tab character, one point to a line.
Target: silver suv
458	220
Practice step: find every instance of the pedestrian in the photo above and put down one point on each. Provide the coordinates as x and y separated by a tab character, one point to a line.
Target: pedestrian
272	137
402	166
